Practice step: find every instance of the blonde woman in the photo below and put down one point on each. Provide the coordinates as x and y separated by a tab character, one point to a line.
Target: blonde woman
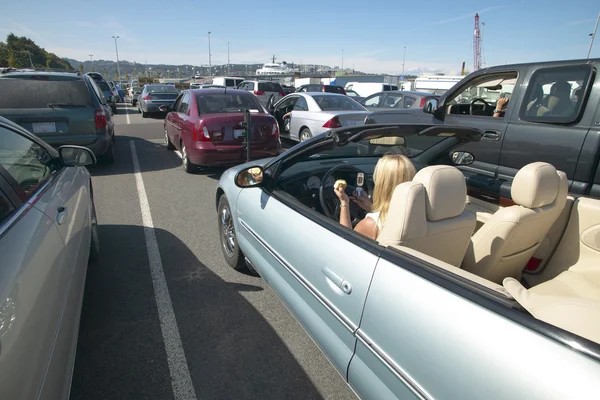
390	171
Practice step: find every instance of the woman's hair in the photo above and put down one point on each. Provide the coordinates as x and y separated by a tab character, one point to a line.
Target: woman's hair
390	171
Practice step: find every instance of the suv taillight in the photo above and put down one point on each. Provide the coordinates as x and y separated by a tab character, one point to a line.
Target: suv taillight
275	131
259	92
100	119
423	100
282	94
333	123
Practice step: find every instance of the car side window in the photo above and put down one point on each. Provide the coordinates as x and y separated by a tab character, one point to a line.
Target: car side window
373	101
480	95
409	101
98	92
177	103
250	85
26	162
301	104
185	104
6	207
556	95
393	101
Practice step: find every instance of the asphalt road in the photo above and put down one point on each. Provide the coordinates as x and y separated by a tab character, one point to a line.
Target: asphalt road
237	339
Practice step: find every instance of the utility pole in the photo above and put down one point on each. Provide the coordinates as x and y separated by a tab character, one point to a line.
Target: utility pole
403	61
593	35
30	62
209	57
117	51
342	60
227	58
92	61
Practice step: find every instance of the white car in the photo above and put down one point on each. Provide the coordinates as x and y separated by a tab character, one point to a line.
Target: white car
264	90
315	113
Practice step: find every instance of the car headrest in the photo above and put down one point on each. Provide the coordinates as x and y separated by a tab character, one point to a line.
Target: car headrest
446	191
535	185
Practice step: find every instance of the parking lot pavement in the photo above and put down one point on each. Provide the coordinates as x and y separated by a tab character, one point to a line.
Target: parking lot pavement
238	340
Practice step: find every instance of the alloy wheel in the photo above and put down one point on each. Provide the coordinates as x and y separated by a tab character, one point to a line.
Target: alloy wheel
227	233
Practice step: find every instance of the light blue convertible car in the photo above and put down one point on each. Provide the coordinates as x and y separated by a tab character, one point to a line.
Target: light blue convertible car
446	303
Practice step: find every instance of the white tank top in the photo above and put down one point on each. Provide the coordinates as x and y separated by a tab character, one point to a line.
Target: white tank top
375	217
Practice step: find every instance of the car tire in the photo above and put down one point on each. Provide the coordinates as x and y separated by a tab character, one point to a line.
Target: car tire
229	244
114	110
188	166
305	134
168	143
144	114
95	239
109	155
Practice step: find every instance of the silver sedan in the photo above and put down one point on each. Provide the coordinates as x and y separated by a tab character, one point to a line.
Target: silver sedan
47	233
315	112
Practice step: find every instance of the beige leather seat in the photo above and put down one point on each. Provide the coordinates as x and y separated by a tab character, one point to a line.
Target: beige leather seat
428	215
504	244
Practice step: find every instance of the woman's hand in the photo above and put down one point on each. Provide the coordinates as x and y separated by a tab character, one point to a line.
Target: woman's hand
363	202
340	192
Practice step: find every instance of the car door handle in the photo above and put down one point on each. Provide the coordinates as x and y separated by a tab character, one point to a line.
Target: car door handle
62	216
337	280
491	135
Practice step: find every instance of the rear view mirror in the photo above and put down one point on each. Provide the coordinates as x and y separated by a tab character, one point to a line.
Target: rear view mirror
462	158
74	156
388	141
249	177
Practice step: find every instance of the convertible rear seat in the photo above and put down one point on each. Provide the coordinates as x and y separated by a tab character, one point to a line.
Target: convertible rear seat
571	300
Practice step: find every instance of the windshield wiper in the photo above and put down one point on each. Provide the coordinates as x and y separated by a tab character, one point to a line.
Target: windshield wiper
64	105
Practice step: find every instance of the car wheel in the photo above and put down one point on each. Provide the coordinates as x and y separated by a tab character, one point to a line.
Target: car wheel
109	156
229	244
168	143
114	109
95	240
144	114
188	166
305	134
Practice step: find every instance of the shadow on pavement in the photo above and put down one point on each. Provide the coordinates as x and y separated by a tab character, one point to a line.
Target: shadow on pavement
232	352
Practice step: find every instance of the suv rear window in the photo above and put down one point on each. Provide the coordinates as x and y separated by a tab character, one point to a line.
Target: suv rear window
270	87
103	85
19	93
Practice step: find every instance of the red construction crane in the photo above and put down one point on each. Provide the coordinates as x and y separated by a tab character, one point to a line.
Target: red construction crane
476	45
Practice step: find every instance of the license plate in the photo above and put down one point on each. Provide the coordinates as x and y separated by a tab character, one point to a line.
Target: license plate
43	127
237	133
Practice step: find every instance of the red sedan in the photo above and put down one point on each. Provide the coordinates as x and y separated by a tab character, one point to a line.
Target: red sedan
206	126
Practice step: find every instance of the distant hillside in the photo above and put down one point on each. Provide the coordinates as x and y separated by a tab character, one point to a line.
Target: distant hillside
22	52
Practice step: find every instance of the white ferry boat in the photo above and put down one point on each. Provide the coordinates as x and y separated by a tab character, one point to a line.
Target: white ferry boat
275	69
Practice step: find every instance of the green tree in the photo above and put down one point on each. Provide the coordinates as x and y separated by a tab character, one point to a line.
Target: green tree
81	68
116	76
127	76
105	72
3	55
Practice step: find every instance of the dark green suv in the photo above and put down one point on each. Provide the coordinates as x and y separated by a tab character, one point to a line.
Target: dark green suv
61	108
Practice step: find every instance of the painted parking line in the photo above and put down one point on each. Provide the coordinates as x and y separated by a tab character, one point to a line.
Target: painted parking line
181	381
127	114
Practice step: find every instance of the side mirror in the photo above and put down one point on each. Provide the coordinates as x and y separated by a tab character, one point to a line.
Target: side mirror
164	108
462	158
76	156
249	177
430	106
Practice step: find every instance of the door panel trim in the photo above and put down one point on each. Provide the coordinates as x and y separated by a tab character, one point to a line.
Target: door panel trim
326	303
395	368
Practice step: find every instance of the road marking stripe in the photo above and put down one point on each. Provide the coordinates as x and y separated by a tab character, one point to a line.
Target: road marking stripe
181	381
178	153
127	114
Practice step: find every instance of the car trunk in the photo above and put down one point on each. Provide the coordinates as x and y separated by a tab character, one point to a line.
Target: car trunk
163	98
225	130
58	125
349	118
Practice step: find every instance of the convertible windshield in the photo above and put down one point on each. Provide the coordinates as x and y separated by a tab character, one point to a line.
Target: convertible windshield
409	146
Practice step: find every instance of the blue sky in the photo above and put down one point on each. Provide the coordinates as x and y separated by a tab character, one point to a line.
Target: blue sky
438	35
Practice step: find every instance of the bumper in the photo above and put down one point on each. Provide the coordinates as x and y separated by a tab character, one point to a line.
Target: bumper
153	107
100	146
206	154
